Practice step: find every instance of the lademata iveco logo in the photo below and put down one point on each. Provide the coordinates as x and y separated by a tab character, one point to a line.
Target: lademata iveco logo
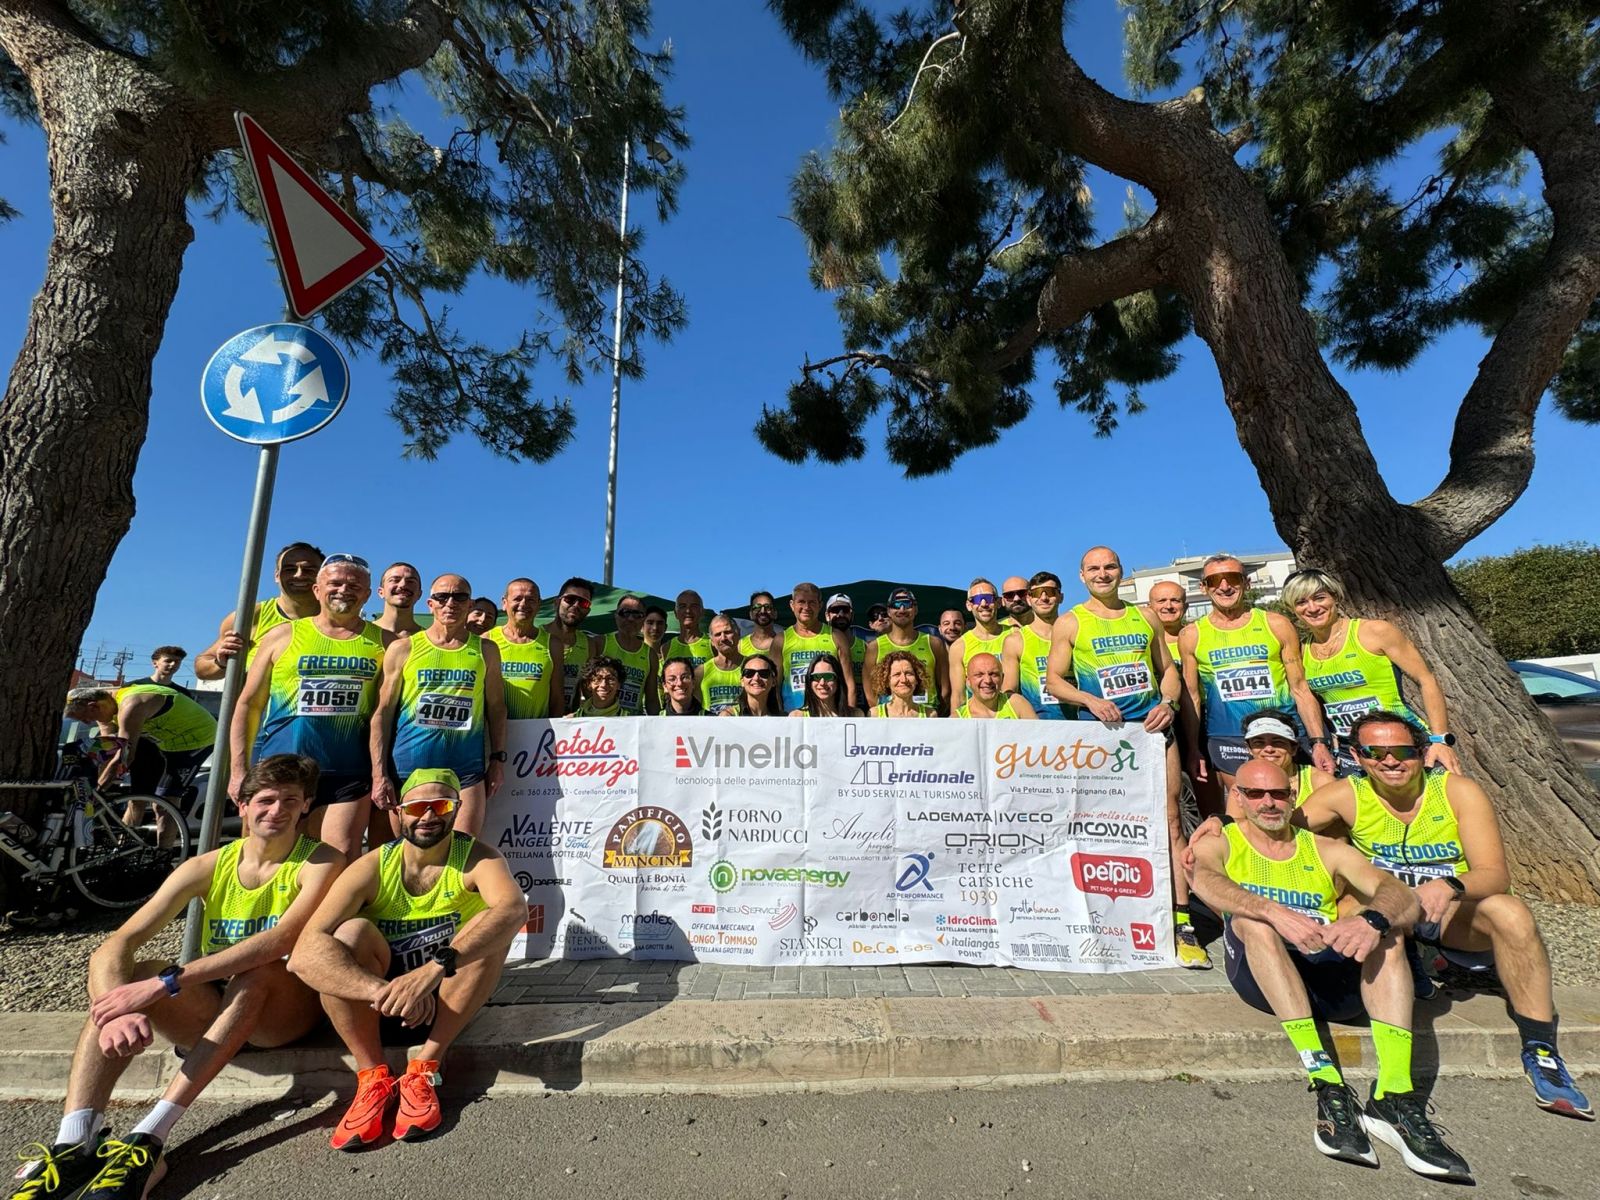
1079	755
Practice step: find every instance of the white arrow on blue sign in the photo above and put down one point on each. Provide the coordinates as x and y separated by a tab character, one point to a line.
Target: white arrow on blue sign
274	383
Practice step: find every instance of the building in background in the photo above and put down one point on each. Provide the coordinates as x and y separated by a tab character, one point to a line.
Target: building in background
1265	572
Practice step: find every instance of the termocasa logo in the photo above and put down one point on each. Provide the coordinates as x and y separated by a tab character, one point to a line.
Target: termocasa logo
724	876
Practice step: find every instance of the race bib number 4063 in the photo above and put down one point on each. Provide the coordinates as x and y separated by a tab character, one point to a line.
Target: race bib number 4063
329	698
1253	682
442	710
1124	679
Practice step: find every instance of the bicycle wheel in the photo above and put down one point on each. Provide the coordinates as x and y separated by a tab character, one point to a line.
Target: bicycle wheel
120	865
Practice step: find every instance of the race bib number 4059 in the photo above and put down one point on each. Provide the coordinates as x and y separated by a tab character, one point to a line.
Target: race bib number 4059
329	698
441	710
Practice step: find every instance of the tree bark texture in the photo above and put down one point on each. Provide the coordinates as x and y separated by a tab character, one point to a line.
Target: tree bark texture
1301	430
76	405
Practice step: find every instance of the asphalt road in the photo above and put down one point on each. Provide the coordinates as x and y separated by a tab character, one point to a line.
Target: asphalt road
1183	1140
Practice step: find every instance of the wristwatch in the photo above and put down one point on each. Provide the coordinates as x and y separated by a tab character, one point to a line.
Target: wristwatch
445	956
1375	918
169	978
1442	739
1319	741
1454	884
498	756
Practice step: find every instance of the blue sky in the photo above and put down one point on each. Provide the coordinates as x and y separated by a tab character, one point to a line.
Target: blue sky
701	503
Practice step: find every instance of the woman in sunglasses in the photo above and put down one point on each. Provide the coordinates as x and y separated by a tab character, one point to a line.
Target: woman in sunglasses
758	689
901	675
600	689
1354	666
824	691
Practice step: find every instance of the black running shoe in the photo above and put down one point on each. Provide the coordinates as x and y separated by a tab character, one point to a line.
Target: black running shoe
1339	1133
59	1171
1400	1120
128	1168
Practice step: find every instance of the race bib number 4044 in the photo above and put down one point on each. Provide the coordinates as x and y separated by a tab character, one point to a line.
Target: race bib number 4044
1253	682
329	697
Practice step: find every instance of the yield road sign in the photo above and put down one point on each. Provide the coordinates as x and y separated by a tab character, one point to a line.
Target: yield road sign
274	383
321	249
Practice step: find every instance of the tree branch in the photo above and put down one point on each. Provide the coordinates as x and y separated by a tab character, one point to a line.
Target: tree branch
1491	451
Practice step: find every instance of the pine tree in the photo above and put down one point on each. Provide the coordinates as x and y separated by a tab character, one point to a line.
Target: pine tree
951	222
136	100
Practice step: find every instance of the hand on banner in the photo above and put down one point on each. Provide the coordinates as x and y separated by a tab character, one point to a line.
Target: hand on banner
1159	718
1105	711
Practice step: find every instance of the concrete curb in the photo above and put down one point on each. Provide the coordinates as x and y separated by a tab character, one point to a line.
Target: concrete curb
884	1043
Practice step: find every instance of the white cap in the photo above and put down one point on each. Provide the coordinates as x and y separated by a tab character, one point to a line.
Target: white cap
1269	727
837	599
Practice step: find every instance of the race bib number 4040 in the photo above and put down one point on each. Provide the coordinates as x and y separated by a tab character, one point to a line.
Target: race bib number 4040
329	698
442	710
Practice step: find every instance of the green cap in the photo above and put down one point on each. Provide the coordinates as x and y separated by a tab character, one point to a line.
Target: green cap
424	775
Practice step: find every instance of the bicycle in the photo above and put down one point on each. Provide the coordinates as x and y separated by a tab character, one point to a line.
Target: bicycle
83	841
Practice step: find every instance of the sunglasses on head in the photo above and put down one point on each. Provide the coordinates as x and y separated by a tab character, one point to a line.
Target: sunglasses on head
758	672
1250	793
442	598
576	601
1379	753
439	806
354	560
1236	578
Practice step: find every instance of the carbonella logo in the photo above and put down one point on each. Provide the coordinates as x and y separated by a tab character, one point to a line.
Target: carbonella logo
1065	758
1113	875
779	753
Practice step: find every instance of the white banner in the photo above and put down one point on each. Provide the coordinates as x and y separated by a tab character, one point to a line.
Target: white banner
839	842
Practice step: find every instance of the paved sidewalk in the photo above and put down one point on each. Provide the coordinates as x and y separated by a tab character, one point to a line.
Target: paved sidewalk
618	980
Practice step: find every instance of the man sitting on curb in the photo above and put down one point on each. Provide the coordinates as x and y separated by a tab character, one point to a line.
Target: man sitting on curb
1437	833
1291	954
258	892
413	938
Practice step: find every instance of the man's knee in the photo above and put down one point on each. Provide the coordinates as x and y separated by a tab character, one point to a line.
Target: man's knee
1509	917
1257	937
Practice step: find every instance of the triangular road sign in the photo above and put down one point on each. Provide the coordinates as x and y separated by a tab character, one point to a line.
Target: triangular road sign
321	249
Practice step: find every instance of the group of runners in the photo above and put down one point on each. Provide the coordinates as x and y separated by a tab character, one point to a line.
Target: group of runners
351	730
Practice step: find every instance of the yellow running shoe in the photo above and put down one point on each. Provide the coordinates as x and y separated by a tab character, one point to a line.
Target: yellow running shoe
1191	953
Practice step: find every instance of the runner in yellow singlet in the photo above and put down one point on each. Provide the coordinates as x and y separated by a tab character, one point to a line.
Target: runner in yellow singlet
1044	607
257	894
988	700
530	662
904	636
719	676
1166	608
295	571
566	632
807	639
638	658
1269	736
399	587
1354	666
406	948
600	688
767	636
1437	832
1290	953
689	642
313	689
987	636
901	677
841	613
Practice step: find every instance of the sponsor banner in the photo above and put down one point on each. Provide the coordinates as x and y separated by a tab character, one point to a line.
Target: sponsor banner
848	842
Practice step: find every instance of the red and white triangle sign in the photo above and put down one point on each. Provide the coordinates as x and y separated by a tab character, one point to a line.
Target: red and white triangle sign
322	250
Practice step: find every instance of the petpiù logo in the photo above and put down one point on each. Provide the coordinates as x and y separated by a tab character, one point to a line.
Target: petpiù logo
1062	758
724	876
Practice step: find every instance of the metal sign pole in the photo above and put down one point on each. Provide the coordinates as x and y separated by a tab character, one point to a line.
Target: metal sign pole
244	625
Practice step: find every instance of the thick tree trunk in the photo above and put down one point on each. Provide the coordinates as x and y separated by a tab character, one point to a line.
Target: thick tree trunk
76	405
1332	507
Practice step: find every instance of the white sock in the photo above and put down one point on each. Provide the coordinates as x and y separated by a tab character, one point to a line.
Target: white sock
159	1121
78	1127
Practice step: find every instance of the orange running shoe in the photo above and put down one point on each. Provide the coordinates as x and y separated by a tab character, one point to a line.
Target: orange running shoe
419	1114
362	1123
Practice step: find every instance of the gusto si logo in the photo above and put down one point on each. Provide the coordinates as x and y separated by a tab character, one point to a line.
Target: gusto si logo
1113	875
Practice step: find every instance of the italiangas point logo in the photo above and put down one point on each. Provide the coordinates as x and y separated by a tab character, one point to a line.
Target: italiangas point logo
648	837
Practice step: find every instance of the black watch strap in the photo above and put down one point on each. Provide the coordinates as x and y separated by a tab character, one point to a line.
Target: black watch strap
1453	882
1375	918
445	956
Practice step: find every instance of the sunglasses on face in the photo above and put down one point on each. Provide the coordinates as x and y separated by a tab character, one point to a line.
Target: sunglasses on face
982	598
443	598
439	806
758	672
630	614
755	608
902	605
577	601
1019	594
824	677
1045	593
1229	578
839	612
1379	753
1250	793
